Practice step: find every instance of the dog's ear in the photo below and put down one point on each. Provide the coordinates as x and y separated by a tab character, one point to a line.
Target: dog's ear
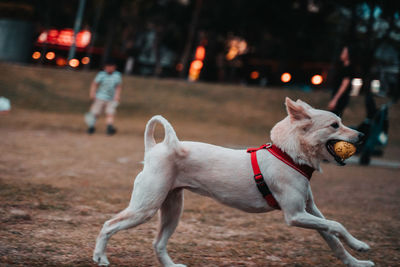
295	110
304	104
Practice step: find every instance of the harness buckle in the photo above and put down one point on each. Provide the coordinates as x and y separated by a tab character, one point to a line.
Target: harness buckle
259	178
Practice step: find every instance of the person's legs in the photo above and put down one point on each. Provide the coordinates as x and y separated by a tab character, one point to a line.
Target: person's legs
110	114
92	115
370	105
110	119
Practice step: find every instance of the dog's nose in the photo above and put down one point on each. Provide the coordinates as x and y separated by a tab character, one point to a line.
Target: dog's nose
361	136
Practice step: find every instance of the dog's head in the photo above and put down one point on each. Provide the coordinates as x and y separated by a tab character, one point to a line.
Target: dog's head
308	134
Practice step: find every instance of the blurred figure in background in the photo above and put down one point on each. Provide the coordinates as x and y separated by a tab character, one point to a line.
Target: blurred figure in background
342	84
105	92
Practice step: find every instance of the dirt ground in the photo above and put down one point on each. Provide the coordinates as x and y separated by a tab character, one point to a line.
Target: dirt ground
58	186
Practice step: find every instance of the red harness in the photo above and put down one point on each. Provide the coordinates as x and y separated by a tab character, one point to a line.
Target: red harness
305	170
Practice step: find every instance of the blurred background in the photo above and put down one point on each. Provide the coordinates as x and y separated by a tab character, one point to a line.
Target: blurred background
287	43
219	71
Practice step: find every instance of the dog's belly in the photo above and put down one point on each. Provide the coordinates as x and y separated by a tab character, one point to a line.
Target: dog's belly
241	204
223	174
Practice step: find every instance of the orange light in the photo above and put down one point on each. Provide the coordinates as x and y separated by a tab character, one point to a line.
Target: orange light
316	79
286	77
61	62
74	63
200	53
85	60
194	70
196	64
254	75
36	55
50	55
232	53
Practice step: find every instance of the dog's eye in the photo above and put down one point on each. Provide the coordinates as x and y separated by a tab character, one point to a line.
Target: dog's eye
335	125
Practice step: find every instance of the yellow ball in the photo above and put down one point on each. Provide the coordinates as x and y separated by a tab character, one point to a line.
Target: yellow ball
344	149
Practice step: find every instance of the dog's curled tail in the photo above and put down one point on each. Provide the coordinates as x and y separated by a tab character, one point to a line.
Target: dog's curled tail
170	136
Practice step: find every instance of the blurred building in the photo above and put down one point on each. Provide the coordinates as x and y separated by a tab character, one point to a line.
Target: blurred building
16	31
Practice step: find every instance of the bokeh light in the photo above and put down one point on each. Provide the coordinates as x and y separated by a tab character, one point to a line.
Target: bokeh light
179	67
200	53
61	61
196	64
316	79
254	75
74	63
36	55
85	60
50	55
286	77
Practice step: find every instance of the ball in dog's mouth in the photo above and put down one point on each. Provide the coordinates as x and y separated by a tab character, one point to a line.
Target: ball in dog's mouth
340	150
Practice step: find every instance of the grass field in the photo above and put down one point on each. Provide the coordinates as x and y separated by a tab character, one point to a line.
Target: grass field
58	185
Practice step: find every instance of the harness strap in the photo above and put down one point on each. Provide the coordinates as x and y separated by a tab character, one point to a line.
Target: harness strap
259	179
305	170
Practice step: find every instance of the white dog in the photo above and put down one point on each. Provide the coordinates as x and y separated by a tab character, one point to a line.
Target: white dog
306	135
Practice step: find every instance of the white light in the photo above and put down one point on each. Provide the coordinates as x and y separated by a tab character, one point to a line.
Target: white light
42	37
375	86
356	84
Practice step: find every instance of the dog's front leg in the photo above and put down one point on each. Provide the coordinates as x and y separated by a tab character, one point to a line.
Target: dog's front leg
334	242
306	220
294	209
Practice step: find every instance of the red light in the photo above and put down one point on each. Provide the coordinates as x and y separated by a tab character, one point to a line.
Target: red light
200	53
61	62
83	38
254	75
316	79
286	77
65	37
52	37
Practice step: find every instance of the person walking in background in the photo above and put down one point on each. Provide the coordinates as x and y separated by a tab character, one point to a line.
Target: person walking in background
105	92
342	84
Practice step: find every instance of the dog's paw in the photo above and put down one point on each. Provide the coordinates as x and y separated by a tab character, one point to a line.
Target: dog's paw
362	264
361	246
101	259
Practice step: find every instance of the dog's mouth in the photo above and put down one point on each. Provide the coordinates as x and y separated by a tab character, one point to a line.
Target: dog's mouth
330	147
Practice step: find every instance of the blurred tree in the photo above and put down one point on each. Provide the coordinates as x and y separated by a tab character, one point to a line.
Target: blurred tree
285	31
373	23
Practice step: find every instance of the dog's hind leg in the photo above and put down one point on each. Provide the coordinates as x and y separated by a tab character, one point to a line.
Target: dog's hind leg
170	213
123	220
147	198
